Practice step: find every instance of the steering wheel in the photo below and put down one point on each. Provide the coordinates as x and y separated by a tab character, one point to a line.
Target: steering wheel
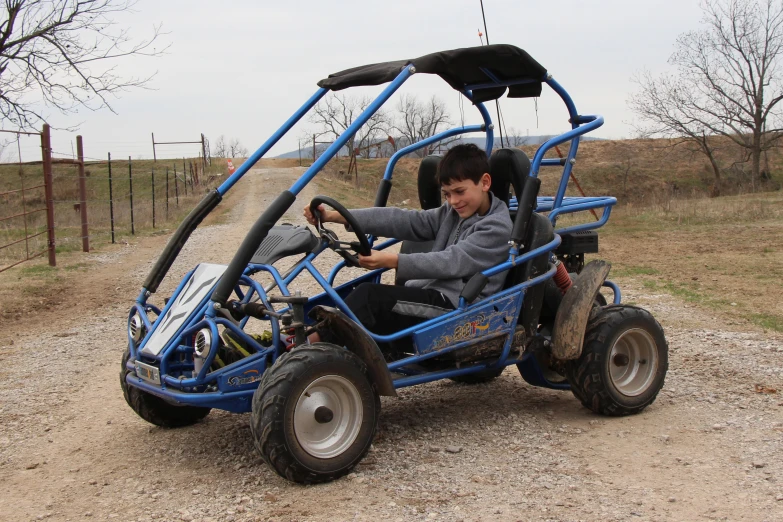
346	249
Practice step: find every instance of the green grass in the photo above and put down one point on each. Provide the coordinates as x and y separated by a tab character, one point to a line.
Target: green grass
691	294
768	322
650	284
38	270
627	271
686	292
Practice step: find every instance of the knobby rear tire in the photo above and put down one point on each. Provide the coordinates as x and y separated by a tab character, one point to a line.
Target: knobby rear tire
590	375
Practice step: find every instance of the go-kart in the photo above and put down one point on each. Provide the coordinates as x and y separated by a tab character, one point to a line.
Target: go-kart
315	407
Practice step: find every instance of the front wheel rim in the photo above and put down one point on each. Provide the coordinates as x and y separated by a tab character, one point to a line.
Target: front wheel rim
633	362
328	416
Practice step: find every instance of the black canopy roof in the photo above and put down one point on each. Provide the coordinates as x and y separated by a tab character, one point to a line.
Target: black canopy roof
489	69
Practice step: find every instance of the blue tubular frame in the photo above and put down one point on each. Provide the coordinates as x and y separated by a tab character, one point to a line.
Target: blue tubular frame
387	174
263	149
212	387
371	109
580	125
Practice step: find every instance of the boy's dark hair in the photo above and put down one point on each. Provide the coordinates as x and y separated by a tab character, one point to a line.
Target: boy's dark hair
462	162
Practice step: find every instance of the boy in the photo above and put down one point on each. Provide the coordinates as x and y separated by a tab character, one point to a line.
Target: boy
471	231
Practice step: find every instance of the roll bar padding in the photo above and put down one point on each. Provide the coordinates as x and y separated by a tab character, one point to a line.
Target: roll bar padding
180	237
382	196
527	202
250	244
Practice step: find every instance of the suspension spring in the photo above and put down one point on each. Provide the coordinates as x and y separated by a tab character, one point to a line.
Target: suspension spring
562	278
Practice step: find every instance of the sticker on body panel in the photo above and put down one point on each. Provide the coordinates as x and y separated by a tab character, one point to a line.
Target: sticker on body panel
247	377
493	318
243	377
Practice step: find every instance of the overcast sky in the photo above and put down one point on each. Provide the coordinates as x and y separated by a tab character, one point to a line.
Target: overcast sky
241	68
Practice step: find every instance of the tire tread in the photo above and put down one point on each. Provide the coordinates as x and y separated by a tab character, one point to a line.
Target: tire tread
585	373
269	404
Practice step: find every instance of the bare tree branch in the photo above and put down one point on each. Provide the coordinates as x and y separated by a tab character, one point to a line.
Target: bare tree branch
62	53
236	149
419	120
337	112
220	147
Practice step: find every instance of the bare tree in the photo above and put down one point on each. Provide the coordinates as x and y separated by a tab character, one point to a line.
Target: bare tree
515	139
62	54
727	82
336	113
220	147
419	120
236	149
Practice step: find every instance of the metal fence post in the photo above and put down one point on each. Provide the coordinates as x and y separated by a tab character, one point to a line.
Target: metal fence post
83	195
153	198
184	179
167	193
111	203
24	205
46	151
176	185
130	181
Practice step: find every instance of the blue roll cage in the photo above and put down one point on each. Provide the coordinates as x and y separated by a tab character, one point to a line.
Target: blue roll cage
211	388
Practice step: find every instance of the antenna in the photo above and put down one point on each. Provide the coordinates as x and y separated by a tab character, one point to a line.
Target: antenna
497	102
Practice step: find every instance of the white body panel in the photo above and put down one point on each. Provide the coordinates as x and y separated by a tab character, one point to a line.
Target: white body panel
200	284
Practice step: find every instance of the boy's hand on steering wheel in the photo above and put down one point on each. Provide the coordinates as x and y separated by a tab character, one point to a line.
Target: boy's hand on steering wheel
327	216
378	259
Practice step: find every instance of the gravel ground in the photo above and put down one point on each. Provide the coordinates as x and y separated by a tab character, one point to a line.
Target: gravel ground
71	449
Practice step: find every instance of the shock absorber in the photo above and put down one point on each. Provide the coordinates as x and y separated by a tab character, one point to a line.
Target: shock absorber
561	277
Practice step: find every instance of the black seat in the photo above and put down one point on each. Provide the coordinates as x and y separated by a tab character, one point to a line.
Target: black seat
429	197
508	168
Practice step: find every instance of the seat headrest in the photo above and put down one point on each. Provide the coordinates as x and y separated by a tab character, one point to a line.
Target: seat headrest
429	190
508	167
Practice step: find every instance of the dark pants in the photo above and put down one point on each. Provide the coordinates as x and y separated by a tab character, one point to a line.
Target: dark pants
387	309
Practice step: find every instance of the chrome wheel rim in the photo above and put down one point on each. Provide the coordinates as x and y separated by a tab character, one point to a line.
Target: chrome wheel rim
328	416
633	362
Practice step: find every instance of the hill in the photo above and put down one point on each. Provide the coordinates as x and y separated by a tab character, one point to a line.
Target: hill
526	140
639	172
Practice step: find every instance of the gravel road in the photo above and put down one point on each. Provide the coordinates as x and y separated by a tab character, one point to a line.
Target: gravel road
711	447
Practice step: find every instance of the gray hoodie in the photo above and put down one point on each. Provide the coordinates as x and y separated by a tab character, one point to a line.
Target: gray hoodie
462	248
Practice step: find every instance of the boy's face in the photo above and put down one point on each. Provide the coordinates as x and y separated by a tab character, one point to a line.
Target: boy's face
467	197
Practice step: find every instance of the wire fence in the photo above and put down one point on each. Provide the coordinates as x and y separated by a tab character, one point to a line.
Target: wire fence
124	197
25	217
59	204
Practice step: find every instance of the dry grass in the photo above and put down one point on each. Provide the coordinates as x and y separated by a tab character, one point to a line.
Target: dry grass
722	253
651	171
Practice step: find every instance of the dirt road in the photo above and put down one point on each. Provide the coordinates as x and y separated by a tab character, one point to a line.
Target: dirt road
711	447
